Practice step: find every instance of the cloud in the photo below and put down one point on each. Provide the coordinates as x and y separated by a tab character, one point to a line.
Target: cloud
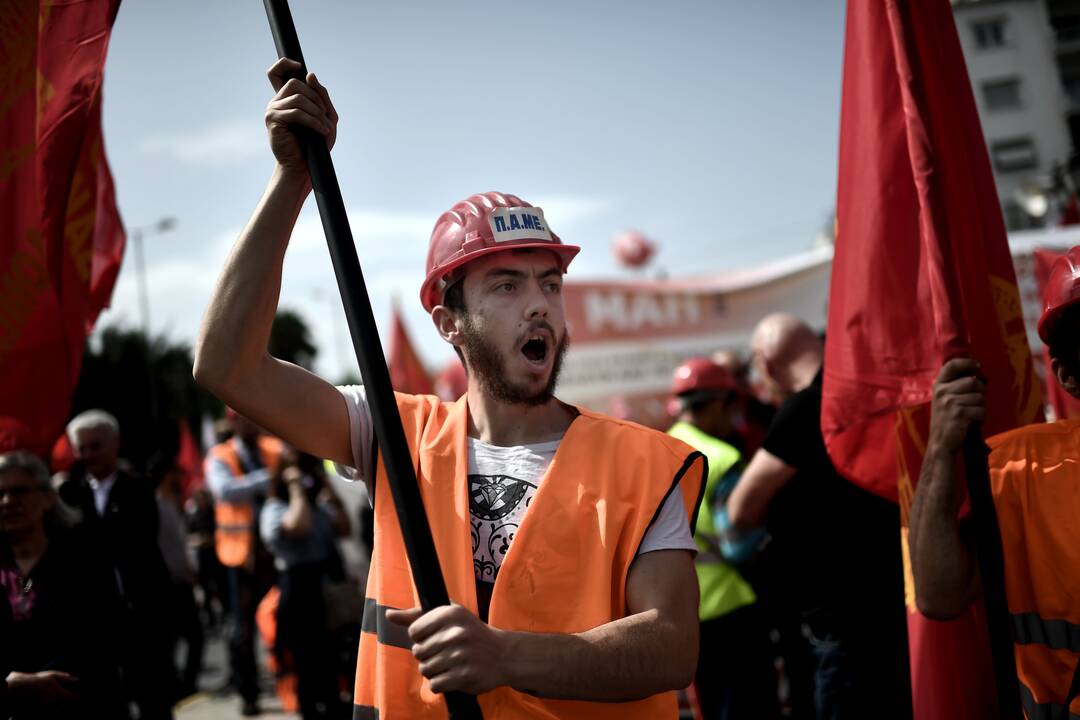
566	210
215	145
378	234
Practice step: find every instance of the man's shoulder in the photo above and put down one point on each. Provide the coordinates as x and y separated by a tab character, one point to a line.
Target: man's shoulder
1034	439
625	433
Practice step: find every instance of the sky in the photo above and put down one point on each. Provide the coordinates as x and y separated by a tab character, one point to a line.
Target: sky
711	126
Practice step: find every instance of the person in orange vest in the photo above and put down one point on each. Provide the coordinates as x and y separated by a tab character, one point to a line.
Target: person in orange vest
563	535
1035	482
238	473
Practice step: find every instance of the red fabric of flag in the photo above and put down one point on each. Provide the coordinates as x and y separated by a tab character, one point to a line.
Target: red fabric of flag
407	373
922	273
60	233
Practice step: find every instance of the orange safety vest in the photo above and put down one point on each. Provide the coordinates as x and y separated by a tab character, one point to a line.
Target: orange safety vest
1035	478
565	572
234	537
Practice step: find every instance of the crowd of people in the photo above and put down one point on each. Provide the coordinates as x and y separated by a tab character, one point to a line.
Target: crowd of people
112	578
597	568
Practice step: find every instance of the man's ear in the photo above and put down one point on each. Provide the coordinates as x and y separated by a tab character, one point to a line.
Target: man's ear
1067	381
447	324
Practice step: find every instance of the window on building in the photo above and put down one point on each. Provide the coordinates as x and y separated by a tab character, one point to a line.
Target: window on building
989	33
1013	154
1001	94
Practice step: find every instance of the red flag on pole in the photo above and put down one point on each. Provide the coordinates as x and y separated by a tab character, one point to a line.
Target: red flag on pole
407	373
921	273
60	233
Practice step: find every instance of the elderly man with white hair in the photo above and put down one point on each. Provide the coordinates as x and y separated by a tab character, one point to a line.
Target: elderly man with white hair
120	521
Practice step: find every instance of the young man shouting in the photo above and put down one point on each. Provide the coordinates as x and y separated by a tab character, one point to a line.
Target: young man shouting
563	536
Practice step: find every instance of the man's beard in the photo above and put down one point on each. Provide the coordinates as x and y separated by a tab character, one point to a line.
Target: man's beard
483	359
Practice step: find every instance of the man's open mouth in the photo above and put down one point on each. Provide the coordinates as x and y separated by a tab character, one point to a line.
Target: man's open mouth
535	349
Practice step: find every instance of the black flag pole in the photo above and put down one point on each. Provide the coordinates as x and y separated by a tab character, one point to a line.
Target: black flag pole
990	557
419	546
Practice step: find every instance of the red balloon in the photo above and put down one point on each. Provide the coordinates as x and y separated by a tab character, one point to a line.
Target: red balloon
632	249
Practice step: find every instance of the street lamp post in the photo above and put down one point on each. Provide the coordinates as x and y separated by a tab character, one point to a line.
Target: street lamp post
163	225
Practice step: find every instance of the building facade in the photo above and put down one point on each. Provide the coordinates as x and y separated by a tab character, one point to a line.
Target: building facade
1018	58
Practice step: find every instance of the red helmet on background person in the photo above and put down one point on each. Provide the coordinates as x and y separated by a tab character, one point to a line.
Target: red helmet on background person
482	224
700	374
1062	291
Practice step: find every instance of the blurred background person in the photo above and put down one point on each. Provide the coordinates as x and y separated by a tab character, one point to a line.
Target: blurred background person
173	542
119	518
735	676
299	523
834	559
210	582
59	609
238	472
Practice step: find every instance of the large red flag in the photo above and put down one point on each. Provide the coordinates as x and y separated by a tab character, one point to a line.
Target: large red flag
922	273
60	233
407	372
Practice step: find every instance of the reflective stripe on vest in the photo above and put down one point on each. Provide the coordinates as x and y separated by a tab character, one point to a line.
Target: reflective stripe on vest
565	571
374	621
1043	711
234	535
1058	634
365	712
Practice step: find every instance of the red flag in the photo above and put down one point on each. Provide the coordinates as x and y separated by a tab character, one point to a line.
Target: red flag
190	461
452	382
60	232
921	273
407	373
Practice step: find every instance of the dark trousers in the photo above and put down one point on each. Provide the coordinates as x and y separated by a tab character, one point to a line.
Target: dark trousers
148	665
187	628
860	670
243	601
303	637
735	677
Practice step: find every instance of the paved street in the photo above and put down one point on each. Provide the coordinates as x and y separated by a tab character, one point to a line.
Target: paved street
211	705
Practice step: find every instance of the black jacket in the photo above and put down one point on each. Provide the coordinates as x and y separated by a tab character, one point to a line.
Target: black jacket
126	536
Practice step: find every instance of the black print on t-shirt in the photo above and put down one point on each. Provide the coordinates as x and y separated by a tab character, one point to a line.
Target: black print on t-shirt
492	501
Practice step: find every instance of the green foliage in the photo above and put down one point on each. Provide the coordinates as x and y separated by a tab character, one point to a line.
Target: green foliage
148	387
290	340
147	384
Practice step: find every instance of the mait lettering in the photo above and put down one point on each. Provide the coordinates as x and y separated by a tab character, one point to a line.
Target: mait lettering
500	224
640	312
514	223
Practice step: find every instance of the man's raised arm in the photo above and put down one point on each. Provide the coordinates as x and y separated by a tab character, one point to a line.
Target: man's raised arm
231	358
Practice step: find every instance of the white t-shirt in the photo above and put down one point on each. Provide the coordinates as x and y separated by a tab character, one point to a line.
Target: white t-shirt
502	482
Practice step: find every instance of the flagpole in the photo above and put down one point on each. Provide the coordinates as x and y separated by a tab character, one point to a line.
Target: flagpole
990	556
419	545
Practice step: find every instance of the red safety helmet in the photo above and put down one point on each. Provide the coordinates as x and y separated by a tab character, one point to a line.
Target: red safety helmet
482	224
701	375
1061	292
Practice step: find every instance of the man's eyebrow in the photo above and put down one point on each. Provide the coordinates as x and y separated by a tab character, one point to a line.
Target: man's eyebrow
503	272
549	273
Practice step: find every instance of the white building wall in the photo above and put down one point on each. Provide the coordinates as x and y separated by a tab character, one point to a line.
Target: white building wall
1028	55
